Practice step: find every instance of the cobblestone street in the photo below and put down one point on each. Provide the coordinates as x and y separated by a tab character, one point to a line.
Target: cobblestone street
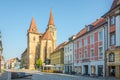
36	75
53	76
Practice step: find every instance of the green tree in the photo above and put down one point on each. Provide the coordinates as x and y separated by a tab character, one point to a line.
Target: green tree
39	63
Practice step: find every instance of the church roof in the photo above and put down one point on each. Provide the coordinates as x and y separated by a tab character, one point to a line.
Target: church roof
33	27
51	21
47	35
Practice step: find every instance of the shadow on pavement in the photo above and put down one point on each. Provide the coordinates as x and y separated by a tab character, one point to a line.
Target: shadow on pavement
18	75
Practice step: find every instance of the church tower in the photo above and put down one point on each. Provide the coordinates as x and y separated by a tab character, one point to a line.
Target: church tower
52	29
40	45
48	41
33	40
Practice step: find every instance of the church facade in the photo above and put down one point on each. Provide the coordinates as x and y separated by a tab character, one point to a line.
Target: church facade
40	45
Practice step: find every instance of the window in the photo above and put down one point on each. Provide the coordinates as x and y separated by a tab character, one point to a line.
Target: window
100	35
68	49
80	56
100	51
65	50
75	45
111	57
112	20
85	55
112	39
70	57
92	39
75	55
85	41
80	43
92	53
34	38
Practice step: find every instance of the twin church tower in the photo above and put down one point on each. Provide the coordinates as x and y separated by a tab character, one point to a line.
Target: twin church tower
40	45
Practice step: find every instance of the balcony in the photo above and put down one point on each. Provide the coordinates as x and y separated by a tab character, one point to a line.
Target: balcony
85	60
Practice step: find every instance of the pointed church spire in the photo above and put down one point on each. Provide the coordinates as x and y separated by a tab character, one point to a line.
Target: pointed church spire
33	27
51	21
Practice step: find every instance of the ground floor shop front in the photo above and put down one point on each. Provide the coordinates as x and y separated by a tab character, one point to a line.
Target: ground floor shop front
113	62
113	71
68	68
91	68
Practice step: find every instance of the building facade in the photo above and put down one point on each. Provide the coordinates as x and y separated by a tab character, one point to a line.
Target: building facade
57	57
113	51
24	60
68	56
40	45
13	63
89	49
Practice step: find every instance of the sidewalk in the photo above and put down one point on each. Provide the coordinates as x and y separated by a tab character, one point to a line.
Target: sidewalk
100	78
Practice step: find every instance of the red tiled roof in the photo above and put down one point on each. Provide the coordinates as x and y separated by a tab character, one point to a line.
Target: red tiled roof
95	24
83	31
47	35
98	22
60	46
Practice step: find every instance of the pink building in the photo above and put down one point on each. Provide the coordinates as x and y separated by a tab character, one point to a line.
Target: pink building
89	49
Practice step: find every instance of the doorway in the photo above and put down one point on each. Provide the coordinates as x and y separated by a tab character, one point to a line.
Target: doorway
100	70
112	71
86	69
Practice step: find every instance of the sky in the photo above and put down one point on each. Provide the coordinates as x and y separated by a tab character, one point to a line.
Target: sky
70	16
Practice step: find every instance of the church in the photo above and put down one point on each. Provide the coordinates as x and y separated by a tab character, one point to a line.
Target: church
39	45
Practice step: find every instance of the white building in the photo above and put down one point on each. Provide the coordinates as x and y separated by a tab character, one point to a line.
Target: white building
68	56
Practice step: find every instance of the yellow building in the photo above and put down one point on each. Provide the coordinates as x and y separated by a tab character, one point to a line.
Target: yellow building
113	52
40	45
113	62
57	57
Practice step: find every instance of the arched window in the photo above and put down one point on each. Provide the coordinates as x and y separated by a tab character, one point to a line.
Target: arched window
111	57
